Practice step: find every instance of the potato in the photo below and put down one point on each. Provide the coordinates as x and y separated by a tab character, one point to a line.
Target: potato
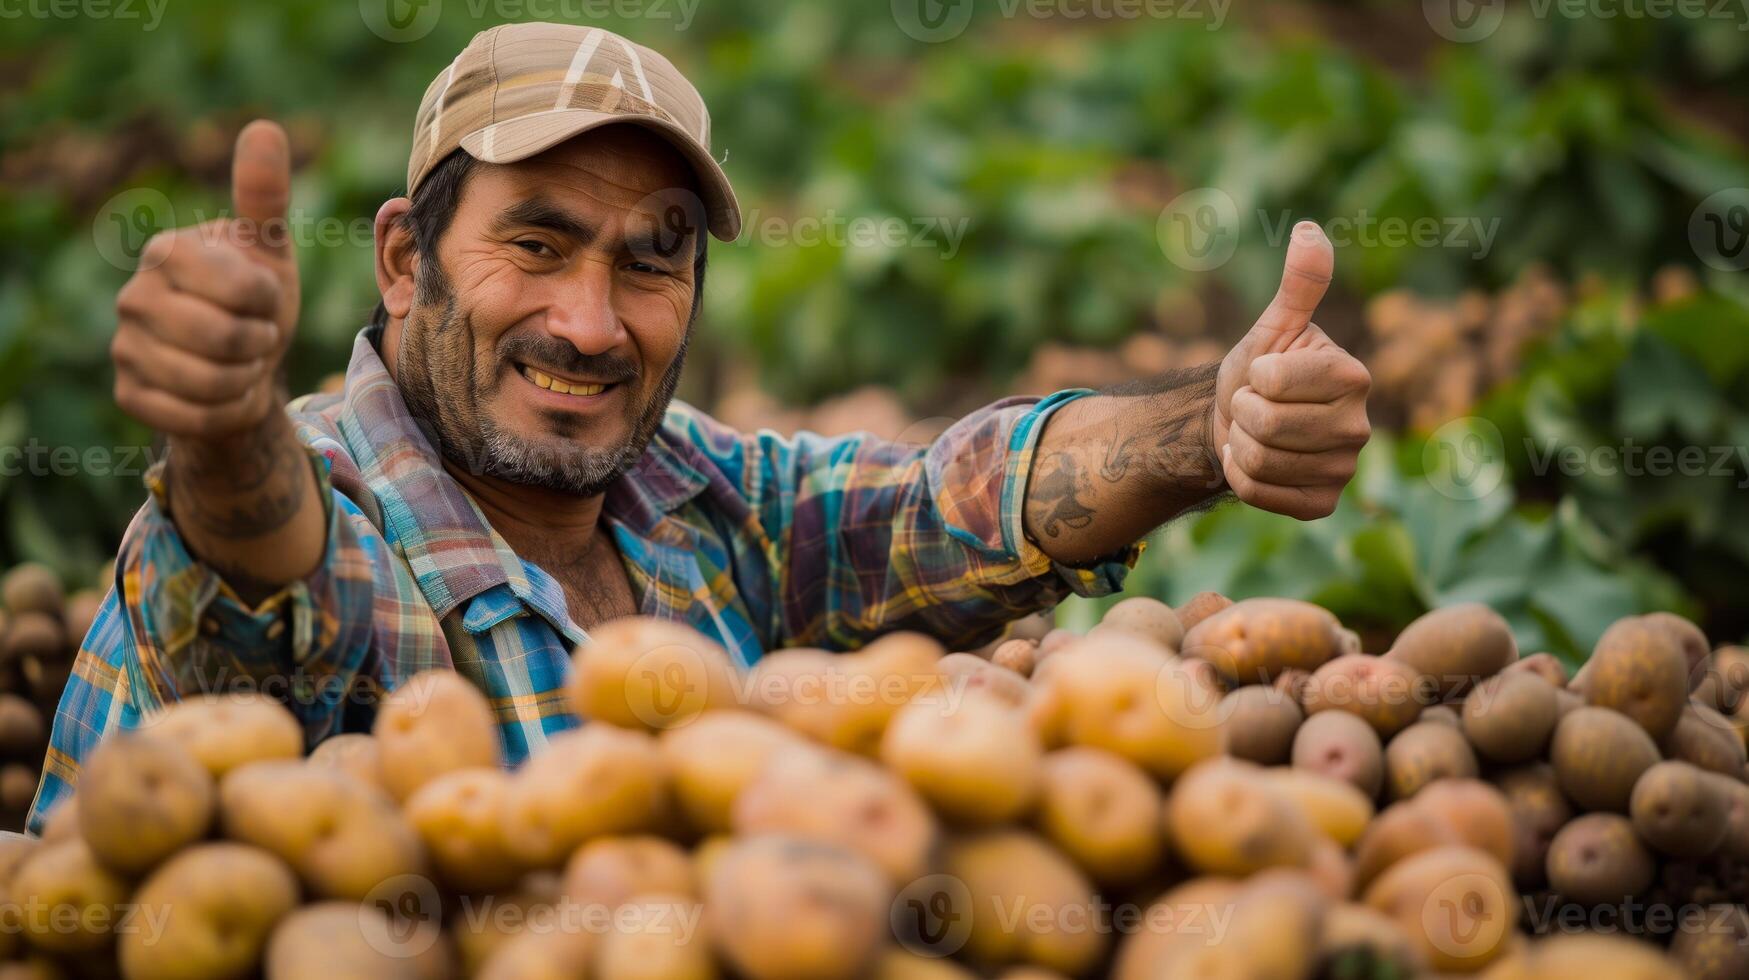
1585	956
1341	745
843	799
1736	794
1016	655
902	964
715	758
1012	869
1455	903
1400	830
974	758
69	903
1538	812
1272	931
1260	722
1598	755
216	904
1716	947
1055	641
587	783
1292	682
608	872
1639	668
1678	811
1730	669
778	907
1226	818
656	937
1422	753
1175	925
145	798
1152	710
962	672
1334	806
23	735
1687	637
31	587
1707	739
1366	937
226	731
1104	812
1456	646
1386	694
1597	859
17	788
1510	717
33	636
80	612
1477	813
642	672
1200	607
846	700
1255	640
62	823
341	941
459	817
344	838
1544	665
1146	617
546	954
1443	714
353	753
435	722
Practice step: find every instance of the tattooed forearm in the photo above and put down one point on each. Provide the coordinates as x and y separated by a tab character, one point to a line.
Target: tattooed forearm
265	489
1115	466
1056	496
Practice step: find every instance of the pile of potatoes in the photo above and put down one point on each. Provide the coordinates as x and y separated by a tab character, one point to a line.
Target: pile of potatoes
1218	790
40	630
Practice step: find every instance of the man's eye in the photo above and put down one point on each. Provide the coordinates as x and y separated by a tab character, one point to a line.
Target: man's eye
645	267
533	247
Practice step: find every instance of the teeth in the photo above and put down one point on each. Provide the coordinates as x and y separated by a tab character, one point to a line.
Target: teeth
551	383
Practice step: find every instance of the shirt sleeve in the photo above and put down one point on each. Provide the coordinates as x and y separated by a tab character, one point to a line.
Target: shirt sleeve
171	628
873	536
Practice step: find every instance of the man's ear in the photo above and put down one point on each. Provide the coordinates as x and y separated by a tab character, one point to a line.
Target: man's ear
395	257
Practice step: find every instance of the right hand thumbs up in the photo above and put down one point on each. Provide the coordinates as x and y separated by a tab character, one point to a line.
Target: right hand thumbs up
204	322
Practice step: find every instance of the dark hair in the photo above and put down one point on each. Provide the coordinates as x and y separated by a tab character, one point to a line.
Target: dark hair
434	207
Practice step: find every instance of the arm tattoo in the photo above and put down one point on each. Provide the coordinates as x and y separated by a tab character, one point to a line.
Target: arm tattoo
1057	490
264	486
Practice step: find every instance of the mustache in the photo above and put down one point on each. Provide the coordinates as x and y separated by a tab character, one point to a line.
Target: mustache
551	353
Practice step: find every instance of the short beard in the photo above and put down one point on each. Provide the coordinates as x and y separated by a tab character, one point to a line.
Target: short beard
437	351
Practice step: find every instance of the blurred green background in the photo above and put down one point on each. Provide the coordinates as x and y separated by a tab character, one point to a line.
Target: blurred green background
1541	232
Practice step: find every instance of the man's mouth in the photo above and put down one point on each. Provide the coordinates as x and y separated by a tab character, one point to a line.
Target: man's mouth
563	386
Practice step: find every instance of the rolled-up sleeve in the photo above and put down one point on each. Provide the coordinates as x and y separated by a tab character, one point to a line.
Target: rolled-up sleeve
171	628
870	536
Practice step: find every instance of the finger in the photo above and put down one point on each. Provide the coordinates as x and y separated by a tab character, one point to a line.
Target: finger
207	263
1302	503
1324	374
261	185
1305	277
159	365
198	326
1287	468
1301	427
175	416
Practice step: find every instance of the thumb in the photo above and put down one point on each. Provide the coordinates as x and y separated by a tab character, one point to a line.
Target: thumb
261	187
1304	279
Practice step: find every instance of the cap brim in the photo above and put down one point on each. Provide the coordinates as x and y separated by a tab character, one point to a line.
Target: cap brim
525	136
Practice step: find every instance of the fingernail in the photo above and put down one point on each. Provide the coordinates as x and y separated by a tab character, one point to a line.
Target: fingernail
1307	231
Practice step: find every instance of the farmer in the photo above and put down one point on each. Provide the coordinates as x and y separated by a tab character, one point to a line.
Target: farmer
506	467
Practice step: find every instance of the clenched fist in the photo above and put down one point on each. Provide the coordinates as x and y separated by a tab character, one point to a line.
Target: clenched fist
1289	417
207	317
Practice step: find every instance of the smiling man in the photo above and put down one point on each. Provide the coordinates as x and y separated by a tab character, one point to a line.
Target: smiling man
506	467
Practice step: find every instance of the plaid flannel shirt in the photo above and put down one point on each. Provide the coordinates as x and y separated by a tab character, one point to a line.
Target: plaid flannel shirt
757	541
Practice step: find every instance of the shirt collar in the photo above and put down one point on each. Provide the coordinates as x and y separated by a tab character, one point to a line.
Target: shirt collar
453	552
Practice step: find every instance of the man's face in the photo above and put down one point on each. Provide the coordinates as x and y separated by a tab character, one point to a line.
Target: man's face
547	340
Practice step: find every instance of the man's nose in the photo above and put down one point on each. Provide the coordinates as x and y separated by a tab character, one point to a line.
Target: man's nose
581	310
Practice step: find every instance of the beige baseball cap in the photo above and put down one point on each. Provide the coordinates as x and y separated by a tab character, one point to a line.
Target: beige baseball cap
519	89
